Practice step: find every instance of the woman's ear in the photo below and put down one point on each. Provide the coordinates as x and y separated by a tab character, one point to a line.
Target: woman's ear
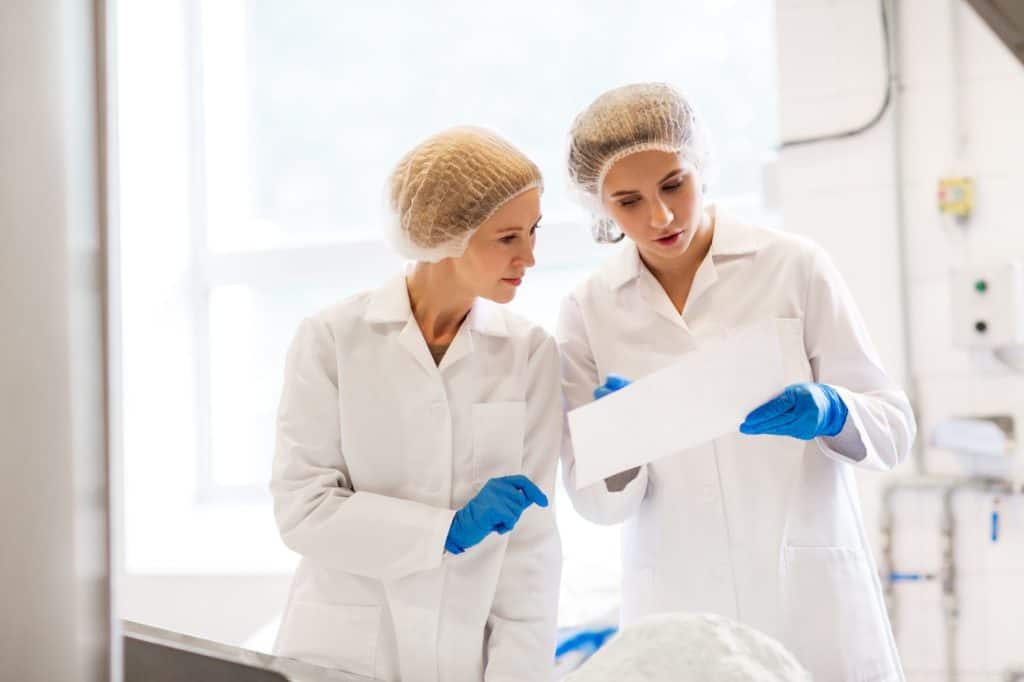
605	231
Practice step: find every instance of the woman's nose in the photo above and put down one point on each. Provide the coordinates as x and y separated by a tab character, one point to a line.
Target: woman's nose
526	255
661	214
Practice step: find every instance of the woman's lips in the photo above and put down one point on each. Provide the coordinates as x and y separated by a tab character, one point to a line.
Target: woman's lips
671	239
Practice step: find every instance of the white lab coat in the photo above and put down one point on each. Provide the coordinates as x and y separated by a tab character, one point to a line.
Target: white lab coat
376	448
763	529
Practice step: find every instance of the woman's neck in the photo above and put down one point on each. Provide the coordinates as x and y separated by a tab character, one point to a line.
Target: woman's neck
438	303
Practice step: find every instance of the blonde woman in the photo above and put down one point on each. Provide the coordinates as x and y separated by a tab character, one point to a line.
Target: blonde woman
417	440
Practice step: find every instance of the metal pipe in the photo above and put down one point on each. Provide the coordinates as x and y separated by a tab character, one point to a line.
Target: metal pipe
902	231
951	596
889	572
950	489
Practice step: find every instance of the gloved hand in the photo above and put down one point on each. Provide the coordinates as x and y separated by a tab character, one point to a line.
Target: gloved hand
612	384
802	411
587	641
496	508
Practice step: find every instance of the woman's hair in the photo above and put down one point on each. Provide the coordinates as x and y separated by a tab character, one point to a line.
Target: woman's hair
450	184
623	121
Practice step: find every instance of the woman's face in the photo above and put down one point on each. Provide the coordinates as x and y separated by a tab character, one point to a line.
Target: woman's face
655	198
501	250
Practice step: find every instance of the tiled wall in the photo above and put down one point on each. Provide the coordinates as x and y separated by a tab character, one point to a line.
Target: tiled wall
962	112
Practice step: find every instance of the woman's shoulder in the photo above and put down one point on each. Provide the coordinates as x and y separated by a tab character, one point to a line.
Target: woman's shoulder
620	266
340	320
344	312
388	302
518	327
774	247
790	243
738	234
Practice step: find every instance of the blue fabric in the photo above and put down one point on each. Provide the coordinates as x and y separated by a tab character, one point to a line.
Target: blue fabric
803	411
495	509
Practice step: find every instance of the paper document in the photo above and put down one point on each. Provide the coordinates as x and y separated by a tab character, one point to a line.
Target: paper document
704	395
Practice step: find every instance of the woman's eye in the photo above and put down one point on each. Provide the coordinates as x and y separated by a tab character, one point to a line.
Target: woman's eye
673	187
629	202
508	240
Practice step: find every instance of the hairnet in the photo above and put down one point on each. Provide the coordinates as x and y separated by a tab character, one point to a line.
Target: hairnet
626	120
450	184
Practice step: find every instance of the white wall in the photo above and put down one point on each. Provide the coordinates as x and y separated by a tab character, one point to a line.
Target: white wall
962	107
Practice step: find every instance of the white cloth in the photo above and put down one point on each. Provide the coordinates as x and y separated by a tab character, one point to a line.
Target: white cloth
766	530
376	449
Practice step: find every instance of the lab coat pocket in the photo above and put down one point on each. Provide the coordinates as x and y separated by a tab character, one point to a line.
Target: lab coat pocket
836	626
343	637
499	430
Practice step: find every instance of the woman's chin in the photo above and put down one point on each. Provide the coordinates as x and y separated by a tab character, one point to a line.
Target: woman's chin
499	294
503	296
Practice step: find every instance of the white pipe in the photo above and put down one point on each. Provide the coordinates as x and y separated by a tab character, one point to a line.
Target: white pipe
949	488
888	567
951	595
902	238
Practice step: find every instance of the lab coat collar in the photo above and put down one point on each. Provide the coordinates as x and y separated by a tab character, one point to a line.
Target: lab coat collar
731	238
390	303
486	317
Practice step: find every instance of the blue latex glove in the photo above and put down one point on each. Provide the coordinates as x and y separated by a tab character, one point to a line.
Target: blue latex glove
496	508
803	411
612	384
587	641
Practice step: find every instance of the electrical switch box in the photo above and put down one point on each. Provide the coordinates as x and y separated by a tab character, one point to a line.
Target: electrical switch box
988	306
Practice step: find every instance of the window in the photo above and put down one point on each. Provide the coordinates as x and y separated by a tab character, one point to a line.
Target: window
255	138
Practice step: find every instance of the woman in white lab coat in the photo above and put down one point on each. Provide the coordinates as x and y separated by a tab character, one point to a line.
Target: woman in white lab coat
764	525
417	441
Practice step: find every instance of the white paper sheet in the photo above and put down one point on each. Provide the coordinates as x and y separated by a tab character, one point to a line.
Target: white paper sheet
704	395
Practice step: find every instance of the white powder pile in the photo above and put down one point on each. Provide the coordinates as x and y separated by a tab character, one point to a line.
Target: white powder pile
683	647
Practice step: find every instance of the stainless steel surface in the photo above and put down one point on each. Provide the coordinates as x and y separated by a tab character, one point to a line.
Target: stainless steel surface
1006	18
147	661
156	655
